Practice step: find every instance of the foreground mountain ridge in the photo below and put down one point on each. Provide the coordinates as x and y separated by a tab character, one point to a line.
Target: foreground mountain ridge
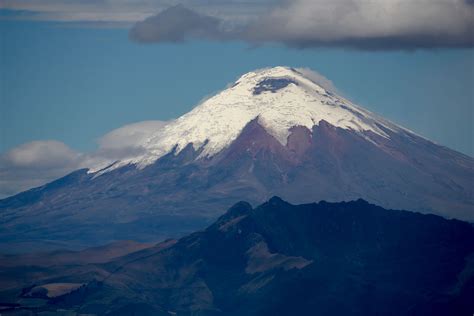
350	258
275	132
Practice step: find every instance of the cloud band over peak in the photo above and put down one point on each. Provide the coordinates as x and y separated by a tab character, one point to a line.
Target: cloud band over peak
360	24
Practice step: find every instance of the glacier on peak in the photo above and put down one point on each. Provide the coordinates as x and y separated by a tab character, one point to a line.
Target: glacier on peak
280	98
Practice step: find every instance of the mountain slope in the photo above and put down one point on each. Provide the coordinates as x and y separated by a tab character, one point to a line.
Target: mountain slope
273	132
280	259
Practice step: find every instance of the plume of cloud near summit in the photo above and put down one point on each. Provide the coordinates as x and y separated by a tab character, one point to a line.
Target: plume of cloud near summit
360	24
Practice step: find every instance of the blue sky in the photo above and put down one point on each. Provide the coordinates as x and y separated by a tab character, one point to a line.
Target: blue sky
72	73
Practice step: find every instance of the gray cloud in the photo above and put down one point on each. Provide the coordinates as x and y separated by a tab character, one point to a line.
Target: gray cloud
384	24
361	24
177	24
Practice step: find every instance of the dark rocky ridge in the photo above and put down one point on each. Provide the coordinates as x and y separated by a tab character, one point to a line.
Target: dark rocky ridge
349	258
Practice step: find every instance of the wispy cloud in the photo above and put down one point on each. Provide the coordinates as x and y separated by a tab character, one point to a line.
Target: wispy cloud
125	11
319	79
127	141
79	11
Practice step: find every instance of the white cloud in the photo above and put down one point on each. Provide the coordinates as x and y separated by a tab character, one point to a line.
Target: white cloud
45	154
34	164
38	162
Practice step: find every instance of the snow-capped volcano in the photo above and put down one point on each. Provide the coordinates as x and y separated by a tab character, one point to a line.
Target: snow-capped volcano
279	98
273	132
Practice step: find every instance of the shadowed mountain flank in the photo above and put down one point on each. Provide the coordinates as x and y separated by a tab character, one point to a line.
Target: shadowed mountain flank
349	258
